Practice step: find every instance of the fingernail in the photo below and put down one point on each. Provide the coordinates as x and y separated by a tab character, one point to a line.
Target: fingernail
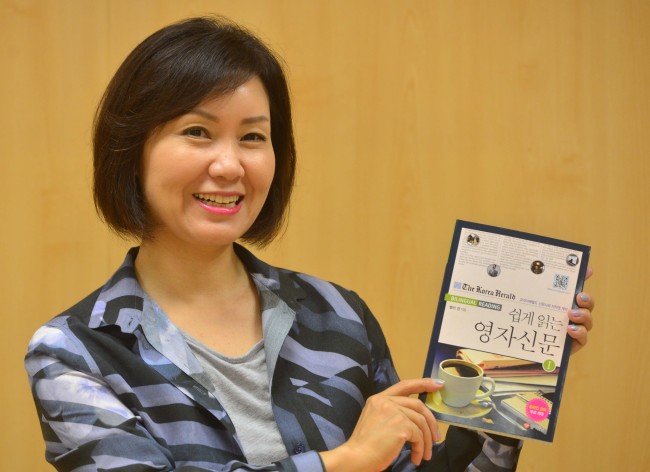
584	297
576	313
573	327
439	381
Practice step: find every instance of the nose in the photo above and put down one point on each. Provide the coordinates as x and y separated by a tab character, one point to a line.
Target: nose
225	162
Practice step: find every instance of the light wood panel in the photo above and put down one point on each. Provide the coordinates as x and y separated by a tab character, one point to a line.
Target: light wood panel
526	114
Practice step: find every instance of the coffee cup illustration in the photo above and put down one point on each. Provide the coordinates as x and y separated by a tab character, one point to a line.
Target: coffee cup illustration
462	382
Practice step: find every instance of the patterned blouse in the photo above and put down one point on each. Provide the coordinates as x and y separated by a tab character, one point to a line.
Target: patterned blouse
117	388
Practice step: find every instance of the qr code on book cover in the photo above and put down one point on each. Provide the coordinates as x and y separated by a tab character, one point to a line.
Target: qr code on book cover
561	281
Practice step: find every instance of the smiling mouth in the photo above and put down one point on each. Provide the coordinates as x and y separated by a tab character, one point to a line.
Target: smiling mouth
219	201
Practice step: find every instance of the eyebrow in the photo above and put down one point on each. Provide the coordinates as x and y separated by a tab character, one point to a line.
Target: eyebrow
246	121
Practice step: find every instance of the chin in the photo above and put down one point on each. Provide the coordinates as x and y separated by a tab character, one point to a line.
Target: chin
216	239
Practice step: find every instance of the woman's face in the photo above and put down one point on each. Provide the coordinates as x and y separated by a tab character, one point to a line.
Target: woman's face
206	174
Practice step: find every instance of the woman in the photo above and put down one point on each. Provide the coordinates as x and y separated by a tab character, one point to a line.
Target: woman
195	355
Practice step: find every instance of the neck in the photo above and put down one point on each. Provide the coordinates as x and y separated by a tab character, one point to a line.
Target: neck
205	292
166	271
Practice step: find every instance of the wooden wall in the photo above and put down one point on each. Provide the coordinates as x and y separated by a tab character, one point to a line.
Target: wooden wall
532	115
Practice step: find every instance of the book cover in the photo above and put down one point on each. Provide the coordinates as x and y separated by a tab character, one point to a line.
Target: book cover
499	338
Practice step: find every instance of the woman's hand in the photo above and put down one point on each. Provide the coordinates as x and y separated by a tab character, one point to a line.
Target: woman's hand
582	318
388	421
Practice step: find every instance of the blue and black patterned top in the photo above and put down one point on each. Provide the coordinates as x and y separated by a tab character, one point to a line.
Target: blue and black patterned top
117	388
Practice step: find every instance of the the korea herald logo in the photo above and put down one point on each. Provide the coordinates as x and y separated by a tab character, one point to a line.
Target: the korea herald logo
458	285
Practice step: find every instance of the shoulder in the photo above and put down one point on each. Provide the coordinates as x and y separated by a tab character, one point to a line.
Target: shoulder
315	295
63	336
80	312
331	292
304	289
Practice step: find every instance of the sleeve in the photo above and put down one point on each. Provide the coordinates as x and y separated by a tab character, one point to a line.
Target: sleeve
87	428
463	449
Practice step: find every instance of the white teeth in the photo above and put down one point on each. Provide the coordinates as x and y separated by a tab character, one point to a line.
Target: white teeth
217	200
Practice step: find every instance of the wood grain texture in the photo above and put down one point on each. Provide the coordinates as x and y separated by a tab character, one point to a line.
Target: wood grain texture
525	114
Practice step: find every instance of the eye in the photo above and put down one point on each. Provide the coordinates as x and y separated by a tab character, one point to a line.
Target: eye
195	132
254	137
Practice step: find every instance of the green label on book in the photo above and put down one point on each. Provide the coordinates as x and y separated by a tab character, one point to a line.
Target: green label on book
549	365
463	300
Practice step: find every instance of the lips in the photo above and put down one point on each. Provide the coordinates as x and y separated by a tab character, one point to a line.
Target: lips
218	201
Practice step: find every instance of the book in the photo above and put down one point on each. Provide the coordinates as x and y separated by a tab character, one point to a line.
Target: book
488	360
503	389
499	337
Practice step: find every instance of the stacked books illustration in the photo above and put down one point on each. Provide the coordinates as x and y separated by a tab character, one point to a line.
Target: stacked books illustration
512	375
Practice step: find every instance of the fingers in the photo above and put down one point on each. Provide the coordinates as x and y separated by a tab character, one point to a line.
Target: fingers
400	392
582	318
421	417
419	435
582	315
580	335
585	300
405	418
